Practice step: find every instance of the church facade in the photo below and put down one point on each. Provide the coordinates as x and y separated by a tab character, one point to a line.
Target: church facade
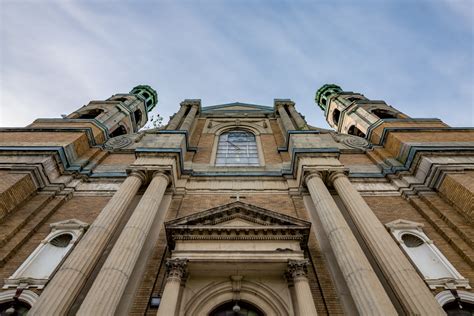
237	209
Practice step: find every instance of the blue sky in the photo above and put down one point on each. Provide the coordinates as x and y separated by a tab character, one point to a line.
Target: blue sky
416	55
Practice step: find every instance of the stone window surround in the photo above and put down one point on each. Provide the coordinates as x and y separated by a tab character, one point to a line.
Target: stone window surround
26	296
446	297
400	227
73	227
248	127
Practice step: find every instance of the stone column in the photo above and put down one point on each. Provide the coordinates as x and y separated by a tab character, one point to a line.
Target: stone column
368	293
66	284
300	122
174	123
188	121
285	119
411	290
109	285
169	300
296	272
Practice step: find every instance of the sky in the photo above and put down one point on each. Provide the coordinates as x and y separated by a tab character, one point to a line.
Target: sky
417	55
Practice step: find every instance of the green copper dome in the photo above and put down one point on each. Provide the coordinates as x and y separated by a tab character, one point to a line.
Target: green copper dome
148	93
323	94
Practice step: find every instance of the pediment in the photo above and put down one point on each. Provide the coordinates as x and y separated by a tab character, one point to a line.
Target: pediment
243	211
237	220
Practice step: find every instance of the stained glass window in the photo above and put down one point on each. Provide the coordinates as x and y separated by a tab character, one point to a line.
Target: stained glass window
237	148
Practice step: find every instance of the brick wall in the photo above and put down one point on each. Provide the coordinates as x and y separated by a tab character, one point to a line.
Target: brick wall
14	189
458	188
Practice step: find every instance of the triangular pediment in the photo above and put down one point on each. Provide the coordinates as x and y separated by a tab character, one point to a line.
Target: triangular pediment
238	210
237	219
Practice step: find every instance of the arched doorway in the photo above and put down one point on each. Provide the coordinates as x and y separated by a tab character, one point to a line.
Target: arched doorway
236	309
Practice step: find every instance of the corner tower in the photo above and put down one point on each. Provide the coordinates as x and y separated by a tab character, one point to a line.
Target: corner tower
352	113
121	113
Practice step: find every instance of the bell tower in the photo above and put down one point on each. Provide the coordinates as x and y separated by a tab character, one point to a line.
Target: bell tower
352	113
121	113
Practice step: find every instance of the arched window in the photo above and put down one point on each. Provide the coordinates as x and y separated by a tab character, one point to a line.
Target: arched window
335	116
138	116
237	148
37	269
384	114
121	130
236	309
353	130
435	268
90	114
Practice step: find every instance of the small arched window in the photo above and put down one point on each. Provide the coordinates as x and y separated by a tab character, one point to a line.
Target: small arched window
237	148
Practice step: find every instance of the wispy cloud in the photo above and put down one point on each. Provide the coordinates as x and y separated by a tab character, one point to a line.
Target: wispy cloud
56	56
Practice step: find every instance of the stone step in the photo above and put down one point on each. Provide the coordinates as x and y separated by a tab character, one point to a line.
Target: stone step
17	220
451	216
14	244
459	245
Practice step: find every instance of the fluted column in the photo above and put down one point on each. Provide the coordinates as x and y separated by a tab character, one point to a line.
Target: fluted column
285	119
411	290
296	272
188	121
109	285
300	122
367	292
61	291
174	123
169	301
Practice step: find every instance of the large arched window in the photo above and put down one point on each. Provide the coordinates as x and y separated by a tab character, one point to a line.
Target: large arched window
237	148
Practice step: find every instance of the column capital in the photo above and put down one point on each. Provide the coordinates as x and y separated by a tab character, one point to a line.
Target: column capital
176	268
311	174
297	268
336	173
161	173
140	174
